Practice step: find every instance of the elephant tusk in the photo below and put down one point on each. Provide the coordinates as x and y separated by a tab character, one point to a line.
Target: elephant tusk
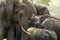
26	31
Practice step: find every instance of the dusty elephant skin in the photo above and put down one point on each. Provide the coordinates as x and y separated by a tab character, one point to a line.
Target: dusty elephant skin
39	34
52	24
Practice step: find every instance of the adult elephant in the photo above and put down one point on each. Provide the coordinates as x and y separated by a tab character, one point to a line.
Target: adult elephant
34	33
22	16
4	22
10	10
1	26
30	10
7	27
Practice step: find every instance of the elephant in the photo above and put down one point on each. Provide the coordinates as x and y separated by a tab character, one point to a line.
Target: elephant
47	22
20	17
34	33
10	10
30	8
3	21
41	10
52	23
7	26
10	7
1	28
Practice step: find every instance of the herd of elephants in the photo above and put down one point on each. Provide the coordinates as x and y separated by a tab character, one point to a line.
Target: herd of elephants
27	21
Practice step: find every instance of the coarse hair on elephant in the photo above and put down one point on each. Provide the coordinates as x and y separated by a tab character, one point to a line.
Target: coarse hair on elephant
34	33
41	10
52	23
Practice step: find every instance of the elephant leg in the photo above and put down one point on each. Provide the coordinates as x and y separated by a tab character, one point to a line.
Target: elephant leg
10	35
18	33
18	36
24	36
1	33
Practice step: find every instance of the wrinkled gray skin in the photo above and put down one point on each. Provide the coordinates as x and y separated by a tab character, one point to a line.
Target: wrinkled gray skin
30	7
10	11
6	25
22	17
41	10
31	10
40	34
52	24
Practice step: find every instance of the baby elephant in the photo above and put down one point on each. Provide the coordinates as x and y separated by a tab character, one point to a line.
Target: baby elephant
39	34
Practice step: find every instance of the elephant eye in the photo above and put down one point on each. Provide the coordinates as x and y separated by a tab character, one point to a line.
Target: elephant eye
21	15
21	12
